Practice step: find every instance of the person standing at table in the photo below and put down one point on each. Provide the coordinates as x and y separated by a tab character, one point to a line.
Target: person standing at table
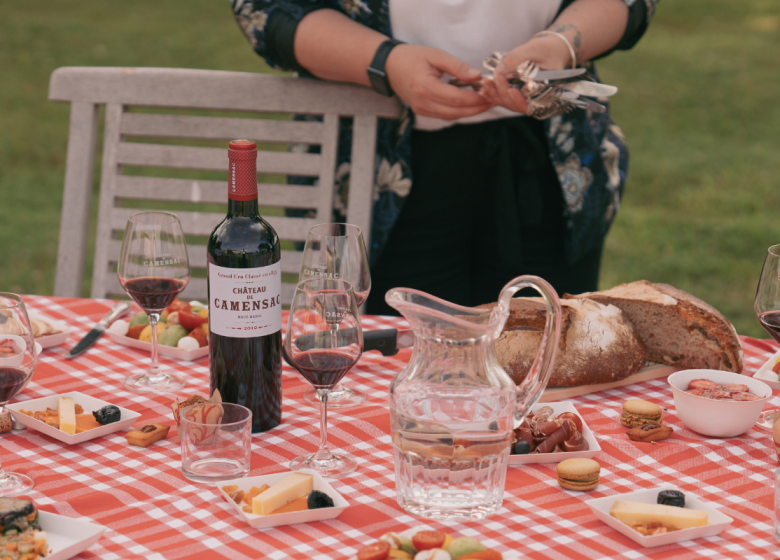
469	191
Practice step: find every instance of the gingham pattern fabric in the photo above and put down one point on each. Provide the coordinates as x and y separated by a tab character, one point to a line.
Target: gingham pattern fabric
152	512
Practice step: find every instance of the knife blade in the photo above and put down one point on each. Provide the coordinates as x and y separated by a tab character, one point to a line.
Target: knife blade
100	327
386	341
591	89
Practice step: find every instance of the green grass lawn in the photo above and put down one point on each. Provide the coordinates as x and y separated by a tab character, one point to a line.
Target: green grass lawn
697	104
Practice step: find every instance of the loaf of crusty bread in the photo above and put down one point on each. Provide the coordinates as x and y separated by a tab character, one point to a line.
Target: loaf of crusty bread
597	344
676	327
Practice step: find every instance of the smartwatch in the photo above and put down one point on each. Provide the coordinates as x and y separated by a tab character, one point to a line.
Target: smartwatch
376	72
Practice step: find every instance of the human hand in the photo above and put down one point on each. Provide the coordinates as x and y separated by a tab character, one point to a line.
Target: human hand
414	72
548	52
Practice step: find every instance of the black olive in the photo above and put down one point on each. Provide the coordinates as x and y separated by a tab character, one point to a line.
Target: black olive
521	448
319	499
671	498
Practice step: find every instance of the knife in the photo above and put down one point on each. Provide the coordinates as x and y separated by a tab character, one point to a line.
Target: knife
100	327
386	341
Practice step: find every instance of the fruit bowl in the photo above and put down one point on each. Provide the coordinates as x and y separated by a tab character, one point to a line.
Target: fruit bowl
712	417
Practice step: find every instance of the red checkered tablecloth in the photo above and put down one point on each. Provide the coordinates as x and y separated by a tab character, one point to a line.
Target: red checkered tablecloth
152	512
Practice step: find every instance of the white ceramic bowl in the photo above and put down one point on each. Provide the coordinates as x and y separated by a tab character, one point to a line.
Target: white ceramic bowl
717	418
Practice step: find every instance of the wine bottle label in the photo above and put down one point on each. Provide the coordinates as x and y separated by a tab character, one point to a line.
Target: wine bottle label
245	302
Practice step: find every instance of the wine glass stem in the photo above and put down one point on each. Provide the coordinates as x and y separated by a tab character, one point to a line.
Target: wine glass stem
323	454
334	344
154	369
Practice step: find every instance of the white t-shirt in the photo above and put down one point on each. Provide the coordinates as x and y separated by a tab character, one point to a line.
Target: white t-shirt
470	30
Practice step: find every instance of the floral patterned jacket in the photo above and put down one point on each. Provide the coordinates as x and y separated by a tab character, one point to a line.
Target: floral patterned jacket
587	150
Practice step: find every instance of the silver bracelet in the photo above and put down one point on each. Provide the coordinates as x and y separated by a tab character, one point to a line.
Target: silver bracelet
565	41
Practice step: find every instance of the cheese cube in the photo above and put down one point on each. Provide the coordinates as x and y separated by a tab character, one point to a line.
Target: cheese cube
67	414
282	493
668	516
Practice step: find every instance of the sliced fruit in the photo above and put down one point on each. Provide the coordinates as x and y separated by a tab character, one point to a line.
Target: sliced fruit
425	540
204	313
190	321
135	331
146	334
200	336
172	334
378	551
178	305
463	546
447	541
139	318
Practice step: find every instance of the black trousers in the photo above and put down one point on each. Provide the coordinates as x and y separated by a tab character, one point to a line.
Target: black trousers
486	207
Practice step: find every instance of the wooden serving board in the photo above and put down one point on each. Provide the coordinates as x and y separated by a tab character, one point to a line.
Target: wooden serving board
652	370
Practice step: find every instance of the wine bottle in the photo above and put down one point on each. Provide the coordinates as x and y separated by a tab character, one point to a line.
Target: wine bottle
245	307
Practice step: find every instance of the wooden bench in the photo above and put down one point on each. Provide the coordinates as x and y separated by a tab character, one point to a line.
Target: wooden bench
128	92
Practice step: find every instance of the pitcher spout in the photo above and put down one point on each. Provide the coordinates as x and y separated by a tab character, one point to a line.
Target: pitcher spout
433	317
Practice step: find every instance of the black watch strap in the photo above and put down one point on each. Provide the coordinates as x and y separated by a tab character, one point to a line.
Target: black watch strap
376	72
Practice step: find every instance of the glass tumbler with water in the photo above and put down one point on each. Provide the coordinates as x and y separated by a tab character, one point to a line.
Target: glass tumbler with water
453	409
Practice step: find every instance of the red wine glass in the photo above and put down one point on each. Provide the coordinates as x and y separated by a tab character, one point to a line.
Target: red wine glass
767	303
153	269
16	369
767	308
324	340
337	251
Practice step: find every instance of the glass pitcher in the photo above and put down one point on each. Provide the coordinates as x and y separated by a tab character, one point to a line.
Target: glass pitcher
453	409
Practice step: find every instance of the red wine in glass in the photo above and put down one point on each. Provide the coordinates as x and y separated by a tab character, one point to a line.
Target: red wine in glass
154	292
323	368
11	380
767	302
770	320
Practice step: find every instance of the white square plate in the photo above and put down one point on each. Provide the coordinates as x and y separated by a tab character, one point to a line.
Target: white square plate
266	521
51	339
558	456
766	374
67	537
90	404
717	520
169	351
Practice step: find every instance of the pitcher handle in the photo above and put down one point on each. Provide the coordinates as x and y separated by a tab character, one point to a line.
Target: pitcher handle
532	387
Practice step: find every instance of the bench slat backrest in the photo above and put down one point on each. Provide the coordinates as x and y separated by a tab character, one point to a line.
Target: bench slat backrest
147	157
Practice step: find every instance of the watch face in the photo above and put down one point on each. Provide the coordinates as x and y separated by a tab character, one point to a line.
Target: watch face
379	81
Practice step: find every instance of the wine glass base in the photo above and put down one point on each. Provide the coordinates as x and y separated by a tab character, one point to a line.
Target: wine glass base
162	383
15	484
344	398
334	467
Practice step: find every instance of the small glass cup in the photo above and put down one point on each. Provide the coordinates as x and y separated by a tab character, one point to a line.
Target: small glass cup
777	504
215	448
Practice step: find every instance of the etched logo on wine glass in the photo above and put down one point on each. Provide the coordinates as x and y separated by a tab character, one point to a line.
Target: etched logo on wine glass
331	305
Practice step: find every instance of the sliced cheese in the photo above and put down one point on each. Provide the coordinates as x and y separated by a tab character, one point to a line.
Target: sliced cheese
67	414
668	516
86	422
298	504
282	493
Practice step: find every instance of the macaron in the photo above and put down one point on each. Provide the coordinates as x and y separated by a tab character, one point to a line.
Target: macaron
578	474
637	412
